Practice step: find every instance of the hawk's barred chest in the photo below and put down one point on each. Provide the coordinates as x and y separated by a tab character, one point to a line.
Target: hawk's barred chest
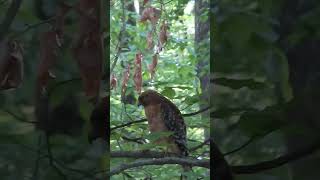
155	121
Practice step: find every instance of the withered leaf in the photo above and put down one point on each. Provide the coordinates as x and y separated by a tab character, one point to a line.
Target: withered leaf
126	75
153	65
163	35
150	40
113	82
88	47
11	64
137	77
150	13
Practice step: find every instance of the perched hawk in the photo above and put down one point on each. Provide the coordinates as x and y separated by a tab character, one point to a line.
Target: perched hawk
162	116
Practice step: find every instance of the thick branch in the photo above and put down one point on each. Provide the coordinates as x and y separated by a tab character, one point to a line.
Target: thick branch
249	169
162	161
11	14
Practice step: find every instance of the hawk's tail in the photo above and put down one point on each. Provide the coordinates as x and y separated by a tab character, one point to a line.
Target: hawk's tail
186	168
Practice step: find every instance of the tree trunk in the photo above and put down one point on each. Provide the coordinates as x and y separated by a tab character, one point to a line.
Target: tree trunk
304	68
202	28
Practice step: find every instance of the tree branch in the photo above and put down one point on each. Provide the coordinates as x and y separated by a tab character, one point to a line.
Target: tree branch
128	124
162	161
206	142
32	26
252	139
250	169
51	160
197	112
62	83
21	119
136	140
10	15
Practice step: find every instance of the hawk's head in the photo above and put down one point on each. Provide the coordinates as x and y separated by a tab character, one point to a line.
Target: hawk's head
150	97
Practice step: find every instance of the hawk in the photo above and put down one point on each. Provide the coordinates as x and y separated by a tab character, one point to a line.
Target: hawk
164	116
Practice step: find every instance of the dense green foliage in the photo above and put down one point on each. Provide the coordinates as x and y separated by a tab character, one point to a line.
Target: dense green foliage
251	75
175	77
24	152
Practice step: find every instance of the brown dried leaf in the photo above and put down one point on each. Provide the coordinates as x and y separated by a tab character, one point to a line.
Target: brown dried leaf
113	82
145	2
150	13
163	35
137	77
150	40
11	64
126	75
153	65
88	47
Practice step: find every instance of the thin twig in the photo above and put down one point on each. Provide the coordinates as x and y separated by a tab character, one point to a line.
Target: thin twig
277	162
22	119
36	168
144	120
61	83
136	140
51	161
29	27
197	112
252	139
206	142
119	44
43	155
240	147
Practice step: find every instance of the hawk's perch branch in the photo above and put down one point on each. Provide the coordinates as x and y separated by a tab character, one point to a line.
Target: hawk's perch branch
162	161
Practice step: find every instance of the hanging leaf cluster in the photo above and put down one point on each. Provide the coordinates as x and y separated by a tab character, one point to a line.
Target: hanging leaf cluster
150	15
87	50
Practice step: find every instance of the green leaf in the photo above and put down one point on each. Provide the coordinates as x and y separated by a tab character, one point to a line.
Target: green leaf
190	100
169	92
157	135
